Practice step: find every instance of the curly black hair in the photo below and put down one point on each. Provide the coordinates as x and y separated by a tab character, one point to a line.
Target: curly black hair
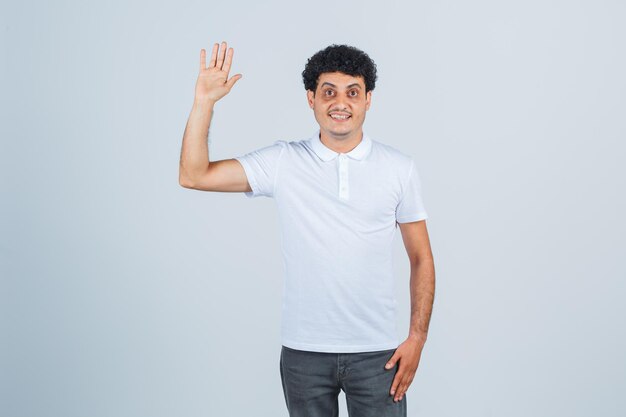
342	58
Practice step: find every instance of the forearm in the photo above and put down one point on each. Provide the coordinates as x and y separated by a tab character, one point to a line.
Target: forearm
194	155
422	287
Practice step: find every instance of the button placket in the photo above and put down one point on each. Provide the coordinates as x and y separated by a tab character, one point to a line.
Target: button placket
344	189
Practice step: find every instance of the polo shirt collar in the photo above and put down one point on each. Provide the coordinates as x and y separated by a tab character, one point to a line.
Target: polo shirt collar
326	154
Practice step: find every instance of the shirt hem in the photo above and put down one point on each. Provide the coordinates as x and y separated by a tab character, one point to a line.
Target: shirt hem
340	348
414	218
250	177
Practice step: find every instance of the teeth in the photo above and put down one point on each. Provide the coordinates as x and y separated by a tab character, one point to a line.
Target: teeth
336	116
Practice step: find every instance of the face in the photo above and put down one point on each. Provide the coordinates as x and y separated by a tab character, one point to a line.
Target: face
340	104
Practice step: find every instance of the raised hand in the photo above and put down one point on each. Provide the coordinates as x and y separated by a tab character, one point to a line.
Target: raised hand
213	82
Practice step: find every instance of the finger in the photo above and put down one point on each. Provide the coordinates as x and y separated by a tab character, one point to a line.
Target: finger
401	390
395	384
229	60
400	397
233	80
202	59
392	361
404	386
213	55
220	57
399	393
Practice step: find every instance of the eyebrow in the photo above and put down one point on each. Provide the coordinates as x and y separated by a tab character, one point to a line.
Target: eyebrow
333	85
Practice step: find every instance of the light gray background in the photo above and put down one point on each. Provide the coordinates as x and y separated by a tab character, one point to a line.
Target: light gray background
123	294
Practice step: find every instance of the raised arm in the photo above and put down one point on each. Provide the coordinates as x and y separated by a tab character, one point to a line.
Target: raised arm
196	170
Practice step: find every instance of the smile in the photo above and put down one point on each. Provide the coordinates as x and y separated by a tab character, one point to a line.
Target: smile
340	117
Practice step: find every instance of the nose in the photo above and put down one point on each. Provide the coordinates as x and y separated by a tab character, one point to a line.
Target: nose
340	103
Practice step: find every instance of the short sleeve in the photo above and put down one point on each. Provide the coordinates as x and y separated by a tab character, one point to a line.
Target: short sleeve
411	205
261	167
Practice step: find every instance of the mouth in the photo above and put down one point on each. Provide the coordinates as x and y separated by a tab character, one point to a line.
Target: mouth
340	117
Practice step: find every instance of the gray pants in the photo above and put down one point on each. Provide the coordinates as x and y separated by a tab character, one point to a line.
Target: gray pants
312	382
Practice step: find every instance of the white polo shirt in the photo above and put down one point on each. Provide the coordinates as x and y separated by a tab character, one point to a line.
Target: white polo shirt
337	216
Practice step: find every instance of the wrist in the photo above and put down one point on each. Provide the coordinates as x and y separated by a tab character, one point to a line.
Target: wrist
203	102
418	336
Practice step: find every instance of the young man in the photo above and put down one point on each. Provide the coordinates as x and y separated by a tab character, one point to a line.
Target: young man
340	196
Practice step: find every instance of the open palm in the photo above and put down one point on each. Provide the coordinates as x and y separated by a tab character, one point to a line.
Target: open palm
213	82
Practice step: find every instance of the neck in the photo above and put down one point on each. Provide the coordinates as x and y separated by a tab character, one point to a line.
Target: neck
341	144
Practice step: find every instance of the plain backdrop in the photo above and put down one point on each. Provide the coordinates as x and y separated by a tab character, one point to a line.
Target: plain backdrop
126	295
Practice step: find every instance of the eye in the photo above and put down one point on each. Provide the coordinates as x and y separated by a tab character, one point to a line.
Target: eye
353	93
329	92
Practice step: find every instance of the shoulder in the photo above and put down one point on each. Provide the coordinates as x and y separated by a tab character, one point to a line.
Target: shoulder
391	151
297	145
392	156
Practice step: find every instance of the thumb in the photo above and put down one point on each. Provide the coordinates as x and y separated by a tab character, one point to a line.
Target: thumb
233	80
391	362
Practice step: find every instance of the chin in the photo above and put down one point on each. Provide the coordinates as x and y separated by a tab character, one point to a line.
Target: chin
340	132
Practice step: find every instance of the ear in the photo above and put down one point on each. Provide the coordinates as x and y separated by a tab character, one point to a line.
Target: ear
368	100
310	95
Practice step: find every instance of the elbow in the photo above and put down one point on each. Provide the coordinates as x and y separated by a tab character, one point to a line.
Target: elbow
418	261
184	181
187	178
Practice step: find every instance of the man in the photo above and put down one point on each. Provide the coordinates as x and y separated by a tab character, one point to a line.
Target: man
340	196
